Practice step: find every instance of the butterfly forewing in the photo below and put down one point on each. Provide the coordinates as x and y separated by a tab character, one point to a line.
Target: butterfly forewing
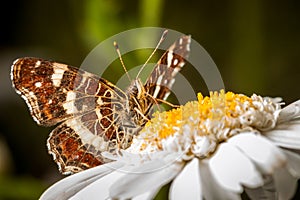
95	115
160	81
55	92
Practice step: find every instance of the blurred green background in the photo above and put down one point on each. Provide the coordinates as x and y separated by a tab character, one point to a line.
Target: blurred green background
255	44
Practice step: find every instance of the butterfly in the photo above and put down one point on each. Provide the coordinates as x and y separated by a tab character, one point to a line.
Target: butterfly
94	115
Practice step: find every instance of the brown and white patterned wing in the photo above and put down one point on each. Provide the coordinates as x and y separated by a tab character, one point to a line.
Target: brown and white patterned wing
55	92
160	82
87	105
68	151
77	143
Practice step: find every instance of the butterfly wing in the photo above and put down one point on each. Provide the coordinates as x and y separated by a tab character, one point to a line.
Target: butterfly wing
160	82
55	92
88	106
77	143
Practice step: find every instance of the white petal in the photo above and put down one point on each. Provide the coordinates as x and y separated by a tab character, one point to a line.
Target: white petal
290	112
146	196
70	185
266	156
147	177
232	169
187	184
99	189
286	135
293	163
211	188
285	184
267	191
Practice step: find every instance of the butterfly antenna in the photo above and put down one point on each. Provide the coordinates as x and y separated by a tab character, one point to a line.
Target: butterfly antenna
121	60
158	44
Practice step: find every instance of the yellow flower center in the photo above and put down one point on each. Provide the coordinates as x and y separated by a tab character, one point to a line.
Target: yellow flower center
220	104
217	117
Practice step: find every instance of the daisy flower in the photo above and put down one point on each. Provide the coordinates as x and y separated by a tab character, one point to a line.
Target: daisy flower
213	148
